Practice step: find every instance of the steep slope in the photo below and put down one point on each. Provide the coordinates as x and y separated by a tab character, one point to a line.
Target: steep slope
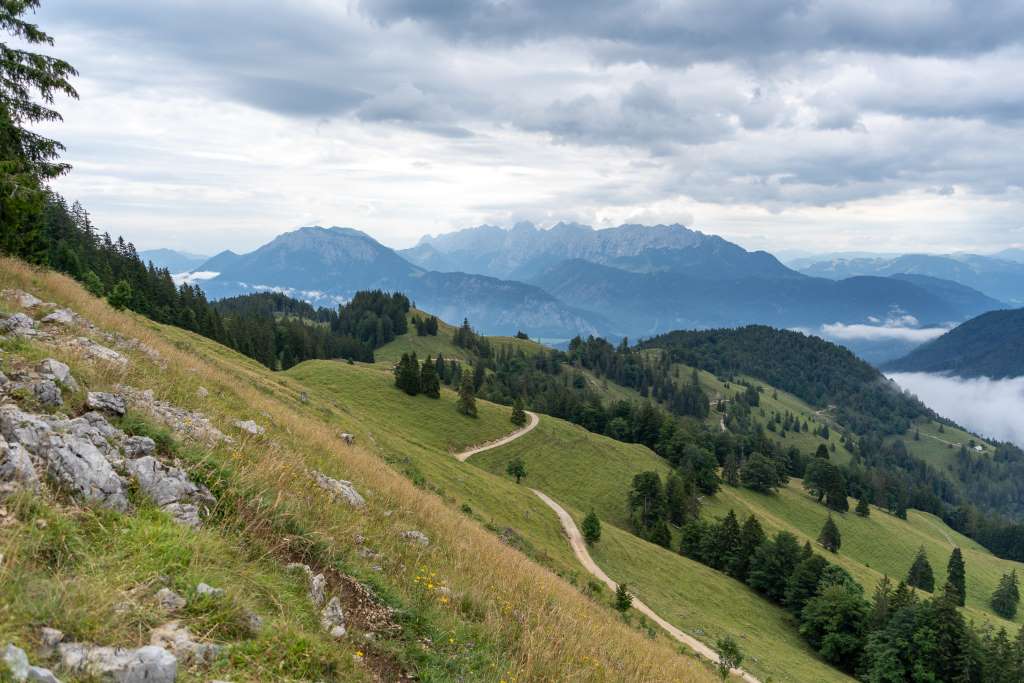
999	278
991	345
95	574
328	265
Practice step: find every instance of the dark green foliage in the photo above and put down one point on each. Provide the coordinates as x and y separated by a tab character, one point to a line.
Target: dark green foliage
731	471
425	327
834	623
466	403
648	511
680	500
863	509
826	482
623	599
430	385
822	452
760	474
956	578
407	374
772	564
516	468
830	538
751	538
729	656
121	295
465	337
920	574
518	414
721	545
803	583
591	528
1006	596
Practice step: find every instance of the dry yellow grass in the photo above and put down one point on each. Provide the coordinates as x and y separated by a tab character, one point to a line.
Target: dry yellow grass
543	628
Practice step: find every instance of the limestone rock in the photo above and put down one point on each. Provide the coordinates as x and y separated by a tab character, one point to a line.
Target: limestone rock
317	589
332	618
250	427
340	488
170	488
58	372
202	392
193	424
47	393
16	469
62	316
23	298
20	325
206	589
98	351
170	600
178	639
105	401
416	537
38	674
138	446
149	664
16	661
50	638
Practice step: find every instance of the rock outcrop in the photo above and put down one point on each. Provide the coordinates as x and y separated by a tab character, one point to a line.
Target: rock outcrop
171	489
339	488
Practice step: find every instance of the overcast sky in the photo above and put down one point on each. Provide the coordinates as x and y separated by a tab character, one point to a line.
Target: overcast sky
789	124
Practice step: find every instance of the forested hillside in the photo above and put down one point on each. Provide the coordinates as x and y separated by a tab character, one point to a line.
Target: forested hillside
991	345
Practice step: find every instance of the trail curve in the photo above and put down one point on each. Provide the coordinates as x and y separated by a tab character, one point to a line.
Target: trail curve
512	436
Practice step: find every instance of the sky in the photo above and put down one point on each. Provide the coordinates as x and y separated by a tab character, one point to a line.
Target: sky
779	124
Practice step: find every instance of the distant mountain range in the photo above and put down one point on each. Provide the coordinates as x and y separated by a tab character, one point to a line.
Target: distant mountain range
174	261
571	279
1000	277
991	345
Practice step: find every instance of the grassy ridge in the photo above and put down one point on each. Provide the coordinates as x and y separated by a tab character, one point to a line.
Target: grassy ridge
409	342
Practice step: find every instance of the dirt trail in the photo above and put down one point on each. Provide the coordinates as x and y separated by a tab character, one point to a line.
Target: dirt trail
579	547
465	455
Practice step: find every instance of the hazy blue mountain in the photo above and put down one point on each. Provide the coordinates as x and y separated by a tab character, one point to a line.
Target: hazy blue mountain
328	265
649	303
1015	255
998	278
525	251
991	345
174	261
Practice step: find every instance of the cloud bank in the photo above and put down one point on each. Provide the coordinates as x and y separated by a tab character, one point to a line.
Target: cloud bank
992	408
914	335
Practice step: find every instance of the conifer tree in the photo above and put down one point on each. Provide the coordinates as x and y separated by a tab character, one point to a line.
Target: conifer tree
863	508
830	538
518	414
956	578
430	385
731	470
121	296
920	574
591	528
1006	596
751	538
822	452
467	397
623	600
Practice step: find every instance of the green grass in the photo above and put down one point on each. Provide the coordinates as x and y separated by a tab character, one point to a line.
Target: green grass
390	353
940	449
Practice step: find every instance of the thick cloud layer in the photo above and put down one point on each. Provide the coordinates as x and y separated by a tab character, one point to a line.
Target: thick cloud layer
916	335
992	408
833	124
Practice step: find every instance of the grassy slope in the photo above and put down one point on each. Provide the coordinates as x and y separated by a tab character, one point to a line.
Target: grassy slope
508	619
940	448
441	343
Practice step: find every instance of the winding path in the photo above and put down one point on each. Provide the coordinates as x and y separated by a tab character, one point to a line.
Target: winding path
534	420
579	548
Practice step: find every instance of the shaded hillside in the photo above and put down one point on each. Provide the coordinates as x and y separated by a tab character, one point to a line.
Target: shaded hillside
991	345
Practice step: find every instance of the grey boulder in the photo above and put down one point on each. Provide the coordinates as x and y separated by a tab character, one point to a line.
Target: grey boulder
16	469
58	372
149	664
170	488
339	488
105	401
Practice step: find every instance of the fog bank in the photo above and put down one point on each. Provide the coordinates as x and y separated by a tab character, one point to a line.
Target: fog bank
991	408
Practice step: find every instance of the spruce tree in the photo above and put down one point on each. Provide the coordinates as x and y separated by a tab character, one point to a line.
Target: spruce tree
751	538
591	528
430	385
830	538
467	397
863	509
518	414
822	452
1006	596
956	578
920	574
121	296
623	600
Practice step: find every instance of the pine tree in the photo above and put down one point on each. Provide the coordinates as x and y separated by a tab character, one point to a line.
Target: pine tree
623	600
731	470
822	452
751	538
467	397
956	578
1006	596
830	538
430	385
920	574
803	584
518	414
591	528
863	509
121	296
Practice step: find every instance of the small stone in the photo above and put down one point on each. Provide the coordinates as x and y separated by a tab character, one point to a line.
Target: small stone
340	489
24	299
303	397
19	324
40	675
170	600
202	392
50	638
317	589
105	401
149	664
16	469
179	640
416	537
41	523
16	661
347	438
47	393
332	618
98	351
250	427
206	589
253	621
139	446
